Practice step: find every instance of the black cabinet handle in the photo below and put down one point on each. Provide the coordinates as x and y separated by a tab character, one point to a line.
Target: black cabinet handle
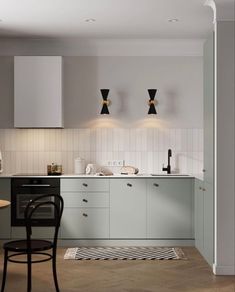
129	185
84	215
85	185
156	185
84	200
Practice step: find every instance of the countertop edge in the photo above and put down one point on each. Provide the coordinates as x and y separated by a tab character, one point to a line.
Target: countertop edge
100	177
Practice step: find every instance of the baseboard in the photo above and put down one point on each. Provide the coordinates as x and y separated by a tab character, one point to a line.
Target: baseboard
124	242
223	270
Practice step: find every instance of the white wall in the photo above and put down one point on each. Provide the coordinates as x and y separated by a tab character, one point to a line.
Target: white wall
177	79
128	133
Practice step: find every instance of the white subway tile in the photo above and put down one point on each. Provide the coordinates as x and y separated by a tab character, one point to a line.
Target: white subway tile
132	145
150	139
30	150
150	162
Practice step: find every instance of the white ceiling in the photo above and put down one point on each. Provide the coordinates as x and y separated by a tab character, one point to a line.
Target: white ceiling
114	18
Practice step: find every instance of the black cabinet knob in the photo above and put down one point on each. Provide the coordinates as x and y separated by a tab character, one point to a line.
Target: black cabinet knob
84	200
84	215
156	185
129	185
85	185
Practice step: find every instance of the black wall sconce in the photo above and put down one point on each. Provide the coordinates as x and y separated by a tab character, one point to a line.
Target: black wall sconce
152	102
105	102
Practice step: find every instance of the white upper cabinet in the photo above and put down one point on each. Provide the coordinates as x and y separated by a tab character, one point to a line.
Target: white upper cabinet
38	99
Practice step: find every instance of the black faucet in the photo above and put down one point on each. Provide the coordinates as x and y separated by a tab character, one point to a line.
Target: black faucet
168	168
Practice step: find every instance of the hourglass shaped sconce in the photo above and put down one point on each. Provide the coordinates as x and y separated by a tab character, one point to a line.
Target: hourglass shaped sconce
152	102
105	102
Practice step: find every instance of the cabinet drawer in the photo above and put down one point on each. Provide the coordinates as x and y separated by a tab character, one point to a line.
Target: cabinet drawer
89	185
85	199
85	223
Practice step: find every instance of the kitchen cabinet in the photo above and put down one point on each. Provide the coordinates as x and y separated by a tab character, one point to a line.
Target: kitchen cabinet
208	92
170	208
204	190
204	218
117	208
199	215
86	212
85	184
82	223
38	92
208	223
5	213
128	208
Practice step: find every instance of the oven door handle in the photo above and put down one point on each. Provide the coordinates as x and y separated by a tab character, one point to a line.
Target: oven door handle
32	185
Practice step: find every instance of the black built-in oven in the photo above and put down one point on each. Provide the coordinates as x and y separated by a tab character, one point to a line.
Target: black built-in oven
25	189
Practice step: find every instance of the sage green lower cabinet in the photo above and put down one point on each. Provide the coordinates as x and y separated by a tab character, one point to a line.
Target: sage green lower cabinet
199	215
128	208
5	213
208	223
82	223
204	217
86	208
170	208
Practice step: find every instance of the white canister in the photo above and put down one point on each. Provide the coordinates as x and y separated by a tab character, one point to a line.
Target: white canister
79	166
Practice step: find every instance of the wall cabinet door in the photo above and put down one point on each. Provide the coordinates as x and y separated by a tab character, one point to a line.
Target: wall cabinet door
128	208
170	208
38	92
5	213
85	223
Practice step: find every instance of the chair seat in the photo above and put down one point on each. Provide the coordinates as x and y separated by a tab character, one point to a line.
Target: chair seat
21	245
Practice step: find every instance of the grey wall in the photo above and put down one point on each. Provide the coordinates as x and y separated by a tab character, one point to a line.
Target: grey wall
178	80
225	209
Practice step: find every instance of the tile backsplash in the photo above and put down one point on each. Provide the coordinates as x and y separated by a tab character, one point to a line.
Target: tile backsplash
30	150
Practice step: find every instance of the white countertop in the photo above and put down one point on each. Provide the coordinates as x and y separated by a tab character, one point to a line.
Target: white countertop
160	175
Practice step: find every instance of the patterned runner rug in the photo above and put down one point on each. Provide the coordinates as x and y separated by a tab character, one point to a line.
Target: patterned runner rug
124	253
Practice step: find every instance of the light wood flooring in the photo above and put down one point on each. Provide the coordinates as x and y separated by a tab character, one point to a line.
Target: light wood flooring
192	275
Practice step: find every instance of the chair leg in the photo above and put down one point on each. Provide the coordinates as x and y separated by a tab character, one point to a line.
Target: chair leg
54	272
4	275
29	276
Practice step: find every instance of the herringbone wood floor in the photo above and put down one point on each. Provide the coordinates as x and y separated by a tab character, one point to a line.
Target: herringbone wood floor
192	275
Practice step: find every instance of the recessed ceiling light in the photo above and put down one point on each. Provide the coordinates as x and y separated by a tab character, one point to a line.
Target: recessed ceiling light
90	20
173	20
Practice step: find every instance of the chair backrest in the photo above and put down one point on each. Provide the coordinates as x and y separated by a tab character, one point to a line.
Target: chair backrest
33	206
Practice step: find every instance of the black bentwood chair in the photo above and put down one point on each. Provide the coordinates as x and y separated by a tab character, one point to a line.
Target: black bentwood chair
30	246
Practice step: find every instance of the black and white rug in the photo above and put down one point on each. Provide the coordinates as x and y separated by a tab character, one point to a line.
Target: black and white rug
124	253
